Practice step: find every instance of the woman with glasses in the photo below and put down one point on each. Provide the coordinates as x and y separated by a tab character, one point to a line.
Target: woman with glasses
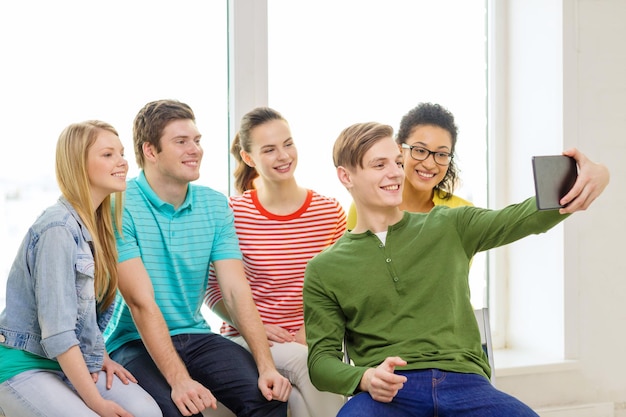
427	136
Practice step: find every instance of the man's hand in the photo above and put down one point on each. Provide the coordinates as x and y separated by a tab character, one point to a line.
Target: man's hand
191	397
592	179
381	382
274	386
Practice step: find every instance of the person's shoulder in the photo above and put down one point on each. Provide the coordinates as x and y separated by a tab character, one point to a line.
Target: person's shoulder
132	183
132	189
452	201
59	214
207	194
56	210
318	199
237	199
321	197
459	202
338	248
205	190
49	215
136	199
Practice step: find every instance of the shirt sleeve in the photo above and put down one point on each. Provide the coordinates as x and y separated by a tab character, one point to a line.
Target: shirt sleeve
127	246
54	277
226	246
483	229
325	332
226	243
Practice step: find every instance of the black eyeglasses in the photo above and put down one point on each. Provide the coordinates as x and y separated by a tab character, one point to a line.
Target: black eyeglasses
421	154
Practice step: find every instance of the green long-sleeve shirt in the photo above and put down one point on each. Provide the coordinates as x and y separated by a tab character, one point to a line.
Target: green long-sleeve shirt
409	297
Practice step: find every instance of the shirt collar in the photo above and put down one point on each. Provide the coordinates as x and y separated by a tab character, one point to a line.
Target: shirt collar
86	235
156	201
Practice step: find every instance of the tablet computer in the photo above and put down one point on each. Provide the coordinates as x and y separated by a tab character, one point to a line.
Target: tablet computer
554	176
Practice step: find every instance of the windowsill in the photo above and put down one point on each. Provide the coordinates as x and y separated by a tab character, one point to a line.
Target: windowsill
513	362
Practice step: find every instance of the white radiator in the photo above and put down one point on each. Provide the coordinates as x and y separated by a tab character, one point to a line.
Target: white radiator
585	410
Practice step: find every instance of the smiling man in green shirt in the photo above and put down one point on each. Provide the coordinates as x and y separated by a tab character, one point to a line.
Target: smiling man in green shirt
397	287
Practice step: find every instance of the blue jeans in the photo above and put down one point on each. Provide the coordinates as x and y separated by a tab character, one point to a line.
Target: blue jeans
435	393
222	366
41	393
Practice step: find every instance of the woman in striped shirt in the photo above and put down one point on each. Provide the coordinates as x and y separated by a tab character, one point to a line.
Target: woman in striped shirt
280	226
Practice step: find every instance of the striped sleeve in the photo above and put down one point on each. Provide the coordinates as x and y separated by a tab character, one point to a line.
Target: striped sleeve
276	250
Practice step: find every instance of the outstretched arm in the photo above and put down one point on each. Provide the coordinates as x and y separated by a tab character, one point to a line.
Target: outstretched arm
592	179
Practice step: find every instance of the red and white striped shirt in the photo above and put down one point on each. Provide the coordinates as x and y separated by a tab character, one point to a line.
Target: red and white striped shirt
276	250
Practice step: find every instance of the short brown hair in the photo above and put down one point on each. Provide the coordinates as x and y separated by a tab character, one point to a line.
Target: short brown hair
151	121
354	141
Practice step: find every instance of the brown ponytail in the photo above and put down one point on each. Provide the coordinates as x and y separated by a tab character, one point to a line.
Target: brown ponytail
245	174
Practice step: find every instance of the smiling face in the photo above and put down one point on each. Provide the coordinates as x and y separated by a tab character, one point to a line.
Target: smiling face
272	152
424	176
106	166
180	156
378	184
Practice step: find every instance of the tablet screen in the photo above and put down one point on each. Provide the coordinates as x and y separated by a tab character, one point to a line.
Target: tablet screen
554	176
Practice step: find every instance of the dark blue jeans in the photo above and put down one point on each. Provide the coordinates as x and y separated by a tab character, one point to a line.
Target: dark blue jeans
224	367
434	393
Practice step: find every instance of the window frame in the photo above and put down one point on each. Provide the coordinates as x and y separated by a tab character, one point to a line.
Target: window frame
508	159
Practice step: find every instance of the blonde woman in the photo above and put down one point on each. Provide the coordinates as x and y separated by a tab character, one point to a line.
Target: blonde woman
61	291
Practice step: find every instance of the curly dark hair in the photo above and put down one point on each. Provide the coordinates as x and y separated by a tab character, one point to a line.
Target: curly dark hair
435	115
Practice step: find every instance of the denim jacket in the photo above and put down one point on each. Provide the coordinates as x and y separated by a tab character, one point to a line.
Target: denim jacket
51	303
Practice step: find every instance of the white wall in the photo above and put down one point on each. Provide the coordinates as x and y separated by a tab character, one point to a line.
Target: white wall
571	86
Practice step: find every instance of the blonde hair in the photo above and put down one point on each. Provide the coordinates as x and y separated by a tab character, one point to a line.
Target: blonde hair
71	172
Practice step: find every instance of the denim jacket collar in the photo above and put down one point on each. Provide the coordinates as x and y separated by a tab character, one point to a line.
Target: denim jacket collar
72	211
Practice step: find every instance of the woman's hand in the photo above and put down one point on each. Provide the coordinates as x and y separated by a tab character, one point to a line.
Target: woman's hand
113	368
74	366
300	336
107	408
277	334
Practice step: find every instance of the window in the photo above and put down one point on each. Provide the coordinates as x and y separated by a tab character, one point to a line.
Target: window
68	61
330	64
334	63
